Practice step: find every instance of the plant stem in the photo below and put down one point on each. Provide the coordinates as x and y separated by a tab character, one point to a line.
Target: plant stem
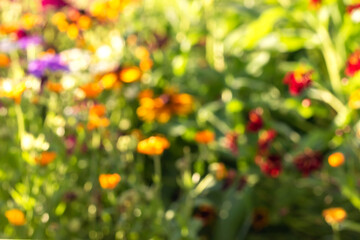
157	174
20	121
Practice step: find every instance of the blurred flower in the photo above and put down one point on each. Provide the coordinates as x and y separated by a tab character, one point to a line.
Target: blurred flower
255	121
354	101
354	12
219	170
7	46
205	213
70	144
69	196
231	142
96	117
298	80
15	217
108	80
334	215
45	158
29	20
260	218
4	61
308	162
54	86
53	3
353	63
48	62
270	165
109	181
28	41
76	59
12	90
314	4
161	108
154	145
130	74
266	138
336	159
91	90
204	137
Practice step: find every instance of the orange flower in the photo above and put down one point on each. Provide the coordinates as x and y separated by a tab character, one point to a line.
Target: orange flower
354	101
54	87
162	107
154	145
130	74
109	181
4	60
220	170
204	137
84	22
12	91
45	158
96	118
182	104
91	90
336	159
334	215
15	217
146	64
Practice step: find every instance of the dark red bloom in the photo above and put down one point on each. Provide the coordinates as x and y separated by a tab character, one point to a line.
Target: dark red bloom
53	3
266	138
255	121
298	80
308	162
205	213
70	144
351	8
271	166
353	64
231	142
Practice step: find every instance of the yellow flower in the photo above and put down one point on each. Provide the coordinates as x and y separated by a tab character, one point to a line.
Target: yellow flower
15	217
154	145
334	215
354	101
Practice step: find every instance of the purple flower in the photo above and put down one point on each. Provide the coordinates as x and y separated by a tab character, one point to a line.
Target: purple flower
26	41
47	62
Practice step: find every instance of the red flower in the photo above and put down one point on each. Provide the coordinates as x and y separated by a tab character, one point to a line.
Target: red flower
353	63
351	8
314	4
308	162
271	166
255	121
231	142
298	80
266	138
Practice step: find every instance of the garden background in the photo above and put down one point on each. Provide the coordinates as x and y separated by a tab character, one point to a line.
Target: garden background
180	119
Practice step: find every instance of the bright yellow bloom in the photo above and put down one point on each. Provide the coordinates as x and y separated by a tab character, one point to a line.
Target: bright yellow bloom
354	101
154	145
130	74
